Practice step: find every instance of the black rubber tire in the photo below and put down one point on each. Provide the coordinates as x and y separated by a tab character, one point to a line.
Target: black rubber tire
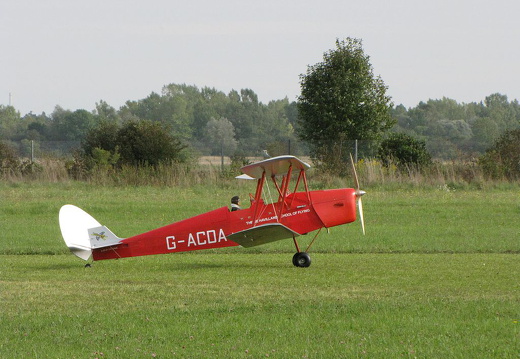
301	259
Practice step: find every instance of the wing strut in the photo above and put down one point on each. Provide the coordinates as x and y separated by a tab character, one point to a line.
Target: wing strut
312	242
258	196
296	244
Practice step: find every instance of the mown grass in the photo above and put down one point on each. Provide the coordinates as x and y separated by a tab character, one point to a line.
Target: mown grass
251	306
438	219
436	276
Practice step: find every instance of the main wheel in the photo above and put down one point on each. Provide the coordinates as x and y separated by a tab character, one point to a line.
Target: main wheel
301	259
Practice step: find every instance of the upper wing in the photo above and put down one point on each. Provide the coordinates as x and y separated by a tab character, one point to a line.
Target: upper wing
274	166
263	234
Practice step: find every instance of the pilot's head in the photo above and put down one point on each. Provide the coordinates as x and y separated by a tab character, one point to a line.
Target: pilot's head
235	199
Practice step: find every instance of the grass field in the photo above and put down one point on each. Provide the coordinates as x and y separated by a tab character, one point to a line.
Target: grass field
436	276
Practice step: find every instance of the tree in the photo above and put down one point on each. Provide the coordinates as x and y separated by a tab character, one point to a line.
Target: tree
484	132
9	122
105	112
220	136
341	99
501	111
71	126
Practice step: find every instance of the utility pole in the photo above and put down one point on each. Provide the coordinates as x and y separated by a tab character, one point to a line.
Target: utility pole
10	99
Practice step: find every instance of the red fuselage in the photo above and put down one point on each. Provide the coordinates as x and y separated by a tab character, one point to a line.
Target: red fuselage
302	212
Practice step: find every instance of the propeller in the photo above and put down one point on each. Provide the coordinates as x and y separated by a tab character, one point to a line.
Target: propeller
359	194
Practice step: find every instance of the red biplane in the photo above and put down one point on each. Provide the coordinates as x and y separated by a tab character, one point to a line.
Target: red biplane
295	212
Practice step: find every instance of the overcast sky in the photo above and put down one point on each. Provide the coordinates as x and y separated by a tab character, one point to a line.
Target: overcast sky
75	53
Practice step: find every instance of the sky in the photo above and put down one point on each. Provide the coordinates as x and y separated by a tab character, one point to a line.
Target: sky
76	53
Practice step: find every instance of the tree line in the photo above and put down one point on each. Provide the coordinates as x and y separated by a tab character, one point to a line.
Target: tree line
454	130
209	121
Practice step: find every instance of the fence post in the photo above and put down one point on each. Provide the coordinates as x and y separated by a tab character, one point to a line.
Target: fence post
222	156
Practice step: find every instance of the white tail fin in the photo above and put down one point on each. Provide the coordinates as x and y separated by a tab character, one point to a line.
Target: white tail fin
82	233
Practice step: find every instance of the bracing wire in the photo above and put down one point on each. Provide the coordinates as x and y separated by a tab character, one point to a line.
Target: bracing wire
270	197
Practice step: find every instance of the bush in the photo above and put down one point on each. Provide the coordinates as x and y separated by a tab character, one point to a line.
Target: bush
8	158
135	143
12	165
503	159
147	143
104	136
403	150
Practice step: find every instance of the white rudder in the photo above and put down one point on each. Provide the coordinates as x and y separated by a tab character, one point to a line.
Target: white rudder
82	233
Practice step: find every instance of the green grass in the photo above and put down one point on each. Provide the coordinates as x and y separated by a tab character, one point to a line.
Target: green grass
436	276
252	305
425	221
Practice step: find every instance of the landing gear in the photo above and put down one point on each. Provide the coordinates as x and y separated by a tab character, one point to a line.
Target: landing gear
301	259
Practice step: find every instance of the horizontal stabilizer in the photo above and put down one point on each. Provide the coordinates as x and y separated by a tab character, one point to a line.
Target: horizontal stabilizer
101	237
262	234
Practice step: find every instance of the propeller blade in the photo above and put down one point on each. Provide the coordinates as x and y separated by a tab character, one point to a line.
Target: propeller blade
361	217
359	194
354	170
